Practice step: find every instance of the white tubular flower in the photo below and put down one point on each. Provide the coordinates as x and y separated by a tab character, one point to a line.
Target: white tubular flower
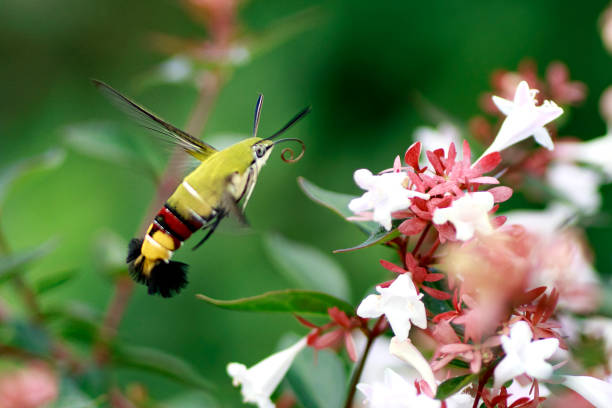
395	392
468	214
439	138
595	152
578	185
407	352
259	382
524	355
400	303
523	119
594	390
385	195
542	222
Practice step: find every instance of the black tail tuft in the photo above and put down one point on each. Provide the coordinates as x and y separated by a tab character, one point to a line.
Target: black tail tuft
134	250
165	278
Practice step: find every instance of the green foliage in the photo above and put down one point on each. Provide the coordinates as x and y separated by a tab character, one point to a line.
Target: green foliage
316	378
303	302
53	280
70	396
13	264
454	385
307	267
337	202
380	236
157	361
591	352
104	141
11	174
27	336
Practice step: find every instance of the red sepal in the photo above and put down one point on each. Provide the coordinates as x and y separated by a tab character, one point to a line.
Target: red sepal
412	155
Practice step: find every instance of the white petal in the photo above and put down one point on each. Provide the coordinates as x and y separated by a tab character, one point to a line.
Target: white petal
596	391
507	369
419	317
442	215
539	369
401	286
544	348
406	351
523	120
370	307
360	204
259	382
505	106
237	372
483	199
522	95
363	178
465	231
520	333
383	216
399	320
542	137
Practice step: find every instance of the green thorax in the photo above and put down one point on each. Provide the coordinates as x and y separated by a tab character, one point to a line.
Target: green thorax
211	175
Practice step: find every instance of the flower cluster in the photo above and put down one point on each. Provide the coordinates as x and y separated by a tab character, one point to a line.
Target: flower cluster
491	297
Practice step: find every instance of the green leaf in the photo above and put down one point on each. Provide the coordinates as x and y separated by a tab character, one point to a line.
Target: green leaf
28	337
380	236
78	321
46	161
13	264
316	380
160	362
303	302
104	141
337	202
280	32
307	267
54	280
454	385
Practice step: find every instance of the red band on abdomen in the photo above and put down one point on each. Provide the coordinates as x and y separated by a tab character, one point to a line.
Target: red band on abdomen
174	225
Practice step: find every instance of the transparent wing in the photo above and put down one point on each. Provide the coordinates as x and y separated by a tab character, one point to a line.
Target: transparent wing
189	143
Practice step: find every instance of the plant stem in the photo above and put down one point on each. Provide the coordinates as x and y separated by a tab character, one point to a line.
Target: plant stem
28	295
357	373
352	389
482	382
210	85
421	239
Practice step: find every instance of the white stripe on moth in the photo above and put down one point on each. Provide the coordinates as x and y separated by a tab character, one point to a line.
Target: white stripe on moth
194	193
198	217
158	245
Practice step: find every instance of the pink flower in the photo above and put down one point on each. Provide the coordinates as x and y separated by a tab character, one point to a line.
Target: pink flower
31	387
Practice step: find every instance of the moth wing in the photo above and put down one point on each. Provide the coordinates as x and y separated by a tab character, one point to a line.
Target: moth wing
191	144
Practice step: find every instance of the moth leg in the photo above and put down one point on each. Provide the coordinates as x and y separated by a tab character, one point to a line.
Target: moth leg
211	229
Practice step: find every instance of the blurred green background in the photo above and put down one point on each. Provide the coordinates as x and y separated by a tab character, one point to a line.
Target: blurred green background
359	67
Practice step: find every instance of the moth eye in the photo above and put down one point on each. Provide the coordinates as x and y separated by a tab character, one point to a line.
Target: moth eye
260	151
